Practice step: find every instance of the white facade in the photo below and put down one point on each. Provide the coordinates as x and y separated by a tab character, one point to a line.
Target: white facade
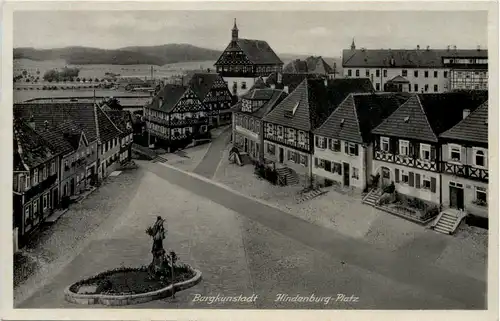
242	84
427	80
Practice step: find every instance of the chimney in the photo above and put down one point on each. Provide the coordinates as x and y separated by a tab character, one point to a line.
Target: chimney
465	113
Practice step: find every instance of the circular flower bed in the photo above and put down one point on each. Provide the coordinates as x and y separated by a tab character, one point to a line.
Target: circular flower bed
125	286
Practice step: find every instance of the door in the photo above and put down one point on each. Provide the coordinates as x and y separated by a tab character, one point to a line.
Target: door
245	146
55	199
386	176
280	155
456	197
346	174
72	187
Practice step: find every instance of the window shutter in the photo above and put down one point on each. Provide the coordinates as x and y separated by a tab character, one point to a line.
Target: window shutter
330	143
433	184
356	150
411	179
417	180
411	150
396	146
315	162
417	150
346	147
396	173
463	156
316	138
433	153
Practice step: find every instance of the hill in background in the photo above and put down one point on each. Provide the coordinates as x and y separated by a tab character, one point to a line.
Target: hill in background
147	55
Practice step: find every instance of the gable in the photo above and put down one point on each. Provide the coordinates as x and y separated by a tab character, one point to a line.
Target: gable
83	141
233	55
189	102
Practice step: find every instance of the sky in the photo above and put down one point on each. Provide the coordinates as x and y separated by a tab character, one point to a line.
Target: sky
306	32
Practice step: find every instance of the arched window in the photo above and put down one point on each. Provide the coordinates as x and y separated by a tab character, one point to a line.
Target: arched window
480	158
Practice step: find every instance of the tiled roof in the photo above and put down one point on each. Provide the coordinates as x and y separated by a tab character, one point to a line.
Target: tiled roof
313	65
259	52
358	114
296	66
30	149
259	84
259	94
169	95
474	128
107	130
273	97
120	118
291	80
425	116
401	58
313	102
201	83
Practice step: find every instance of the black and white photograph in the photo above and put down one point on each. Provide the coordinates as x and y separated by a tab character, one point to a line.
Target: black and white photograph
252	158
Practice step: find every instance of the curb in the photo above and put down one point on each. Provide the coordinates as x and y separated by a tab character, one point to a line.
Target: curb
120	300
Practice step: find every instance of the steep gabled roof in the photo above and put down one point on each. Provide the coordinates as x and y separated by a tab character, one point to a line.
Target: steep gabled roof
312	65
474	128
167	97
30	149
296	66
358	114
201	83
290	80
401	58
272	97
259	52
425	116
120	118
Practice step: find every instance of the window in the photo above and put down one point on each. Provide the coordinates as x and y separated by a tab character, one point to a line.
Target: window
481	196
385	73
435	88
35	207
435	74
426	183
377	73
35	177
445	74
479	158
328	166
334	145
404	178
349	72
355	173
45	202
303	160
293	156
415	73
45	172
367	72
404	148
426	74
280	131
27	183
455	153
426	88
384	144
271	149
319	163
243	85
337	168
415	87
404	73
377	86
353	149
425	152
53	168
357	72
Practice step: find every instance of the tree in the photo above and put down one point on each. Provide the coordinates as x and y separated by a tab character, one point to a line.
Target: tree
77	79
25	73
96	80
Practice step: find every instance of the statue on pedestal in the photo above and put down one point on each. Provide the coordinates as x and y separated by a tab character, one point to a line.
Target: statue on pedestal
159	266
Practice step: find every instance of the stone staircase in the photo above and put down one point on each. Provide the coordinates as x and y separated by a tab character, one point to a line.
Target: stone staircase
372	197
309	195
288	175
159	159
448	221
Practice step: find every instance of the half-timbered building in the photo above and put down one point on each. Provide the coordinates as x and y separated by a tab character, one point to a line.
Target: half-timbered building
288	128
176	116
212	90
248	131
244	60
406	145
464	163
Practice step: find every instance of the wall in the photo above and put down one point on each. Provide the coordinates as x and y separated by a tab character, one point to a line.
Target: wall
442	82
298	168
238	80
341	157
114	151
469	194
406	189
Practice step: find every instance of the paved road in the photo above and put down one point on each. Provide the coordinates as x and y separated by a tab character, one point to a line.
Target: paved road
212	158
245	247
408	269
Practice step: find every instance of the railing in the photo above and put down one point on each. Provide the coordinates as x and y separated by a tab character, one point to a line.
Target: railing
466	171
406	161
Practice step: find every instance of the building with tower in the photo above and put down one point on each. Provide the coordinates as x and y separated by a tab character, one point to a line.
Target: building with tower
245	60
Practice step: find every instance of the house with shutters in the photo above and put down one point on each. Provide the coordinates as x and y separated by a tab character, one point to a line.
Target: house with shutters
288	128
248	129
343	143
244	60
176	116
464	163
407	147
213	92
123	121
35	180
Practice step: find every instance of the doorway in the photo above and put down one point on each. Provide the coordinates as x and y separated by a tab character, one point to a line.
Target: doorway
457	197
346	174
386	176
280	155
245	145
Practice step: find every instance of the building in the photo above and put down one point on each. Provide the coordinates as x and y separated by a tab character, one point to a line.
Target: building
417	70
123	120
311	65
464	167
289	81
176	116
244	60
212	90
35	180
288	128
343	143
406	146
248	130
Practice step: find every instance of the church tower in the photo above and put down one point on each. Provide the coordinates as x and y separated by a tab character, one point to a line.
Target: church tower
234	32
353	45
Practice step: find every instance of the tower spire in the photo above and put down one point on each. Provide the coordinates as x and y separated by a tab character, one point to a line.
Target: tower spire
353	45
234	31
